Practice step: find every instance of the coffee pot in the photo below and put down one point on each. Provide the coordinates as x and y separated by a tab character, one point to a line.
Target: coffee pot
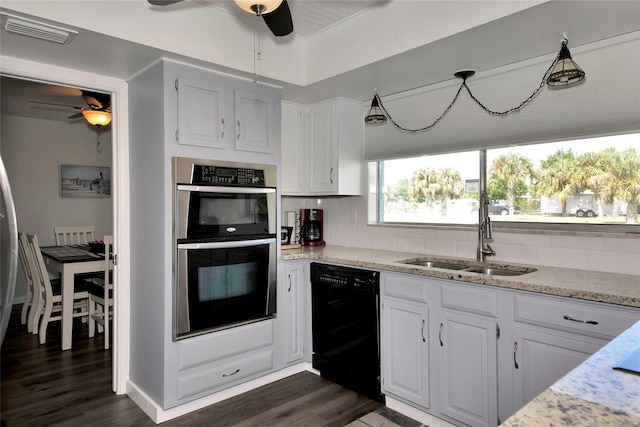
311	227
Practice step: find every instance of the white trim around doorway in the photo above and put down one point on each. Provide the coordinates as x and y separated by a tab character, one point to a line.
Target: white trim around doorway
19	68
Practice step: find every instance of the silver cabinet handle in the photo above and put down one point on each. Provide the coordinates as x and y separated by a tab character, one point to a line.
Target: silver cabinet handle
589	322
440	335
289	290
331	175
223	128
515	349
238	136
232	373
423	338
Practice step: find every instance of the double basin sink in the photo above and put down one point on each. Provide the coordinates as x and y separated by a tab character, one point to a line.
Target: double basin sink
470	267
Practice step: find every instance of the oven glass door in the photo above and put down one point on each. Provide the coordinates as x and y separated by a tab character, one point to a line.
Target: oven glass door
224	284
221	212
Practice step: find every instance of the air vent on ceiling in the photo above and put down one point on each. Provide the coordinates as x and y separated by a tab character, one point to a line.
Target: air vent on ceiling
39	30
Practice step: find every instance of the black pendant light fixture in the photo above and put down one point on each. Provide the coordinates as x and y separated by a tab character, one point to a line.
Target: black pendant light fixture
566	72
563	72
375	115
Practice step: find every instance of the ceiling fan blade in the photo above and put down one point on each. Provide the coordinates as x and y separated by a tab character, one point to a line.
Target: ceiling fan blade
75	116
55	105
279	21
96	100
163	2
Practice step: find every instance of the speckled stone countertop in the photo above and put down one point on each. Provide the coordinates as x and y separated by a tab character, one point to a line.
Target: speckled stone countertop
622	289
592	395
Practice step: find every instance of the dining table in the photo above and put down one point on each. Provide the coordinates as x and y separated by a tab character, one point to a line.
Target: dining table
70	260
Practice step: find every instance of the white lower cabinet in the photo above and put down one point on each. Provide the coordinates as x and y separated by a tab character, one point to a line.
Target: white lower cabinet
541	358
474	354
468	368
294	278
405	357
405	340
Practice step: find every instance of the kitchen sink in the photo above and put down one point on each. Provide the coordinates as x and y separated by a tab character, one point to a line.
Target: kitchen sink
469	266
490	271
436	264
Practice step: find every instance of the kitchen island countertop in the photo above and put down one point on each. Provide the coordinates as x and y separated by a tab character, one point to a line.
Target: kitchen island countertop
621	289
593	394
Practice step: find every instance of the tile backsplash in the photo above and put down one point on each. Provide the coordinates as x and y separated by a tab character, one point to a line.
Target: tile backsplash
345	224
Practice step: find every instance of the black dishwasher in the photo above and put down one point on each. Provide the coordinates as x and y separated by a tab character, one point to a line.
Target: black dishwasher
346	327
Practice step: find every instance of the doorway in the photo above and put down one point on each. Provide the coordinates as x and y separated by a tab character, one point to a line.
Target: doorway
119	201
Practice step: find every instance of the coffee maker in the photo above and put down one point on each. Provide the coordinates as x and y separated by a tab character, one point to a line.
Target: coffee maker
311	227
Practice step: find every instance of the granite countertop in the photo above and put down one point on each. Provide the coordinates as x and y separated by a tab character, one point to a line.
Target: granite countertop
622	289
593	394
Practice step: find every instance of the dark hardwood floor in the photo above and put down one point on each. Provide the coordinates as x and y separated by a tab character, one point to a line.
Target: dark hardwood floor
42	385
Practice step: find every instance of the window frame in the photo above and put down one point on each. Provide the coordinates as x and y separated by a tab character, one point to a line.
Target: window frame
606	230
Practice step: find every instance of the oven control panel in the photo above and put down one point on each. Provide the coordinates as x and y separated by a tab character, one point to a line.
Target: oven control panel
218	175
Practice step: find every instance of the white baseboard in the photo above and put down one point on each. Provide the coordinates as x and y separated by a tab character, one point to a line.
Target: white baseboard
159	415
415	413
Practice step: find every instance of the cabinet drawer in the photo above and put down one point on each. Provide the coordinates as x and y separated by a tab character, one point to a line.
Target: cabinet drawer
217	345
590	319
405	287
469	298
224	373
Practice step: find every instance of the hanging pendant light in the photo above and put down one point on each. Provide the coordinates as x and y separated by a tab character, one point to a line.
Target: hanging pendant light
97	117
566	72
562	72
375	115
258	7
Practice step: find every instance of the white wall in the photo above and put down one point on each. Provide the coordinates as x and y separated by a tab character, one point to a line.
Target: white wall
33	150
597	253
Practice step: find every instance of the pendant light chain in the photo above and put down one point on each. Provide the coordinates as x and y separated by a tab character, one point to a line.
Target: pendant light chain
523	103
477	101
426	128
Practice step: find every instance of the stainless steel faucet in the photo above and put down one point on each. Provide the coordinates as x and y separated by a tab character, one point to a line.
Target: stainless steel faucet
485	229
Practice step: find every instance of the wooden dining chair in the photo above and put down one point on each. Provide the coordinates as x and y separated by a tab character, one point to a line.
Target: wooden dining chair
101	296
75	235
33	302
52	296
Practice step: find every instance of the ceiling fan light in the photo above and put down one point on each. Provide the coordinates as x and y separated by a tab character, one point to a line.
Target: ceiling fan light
258	7
97	117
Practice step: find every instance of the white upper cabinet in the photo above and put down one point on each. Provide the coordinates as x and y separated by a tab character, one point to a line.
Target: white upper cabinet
254	120
201	113
293	148
327	159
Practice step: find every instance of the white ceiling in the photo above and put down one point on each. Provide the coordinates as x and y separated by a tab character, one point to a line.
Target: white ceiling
530	33
309	16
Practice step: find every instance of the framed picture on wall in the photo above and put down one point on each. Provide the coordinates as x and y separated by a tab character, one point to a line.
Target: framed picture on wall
85	181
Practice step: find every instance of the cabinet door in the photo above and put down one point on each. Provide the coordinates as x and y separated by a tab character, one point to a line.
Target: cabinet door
322	150
293	161
293	312
254	119
540	359
201	110
468	369
405	351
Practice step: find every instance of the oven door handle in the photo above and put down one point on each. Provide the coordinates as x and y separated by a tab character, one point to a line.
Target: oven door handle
219	189
227	244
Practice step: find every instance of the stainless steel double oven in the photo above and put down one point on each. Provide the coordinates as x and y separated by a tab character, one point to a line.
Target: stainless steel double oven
225	254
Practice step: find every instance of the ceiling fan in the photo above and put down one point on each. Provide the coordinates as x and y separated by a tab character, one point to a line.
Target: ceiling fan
98	112
276	13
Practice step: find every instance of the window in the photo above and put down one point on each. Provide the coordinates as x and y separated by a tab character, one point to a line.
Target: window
588	183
